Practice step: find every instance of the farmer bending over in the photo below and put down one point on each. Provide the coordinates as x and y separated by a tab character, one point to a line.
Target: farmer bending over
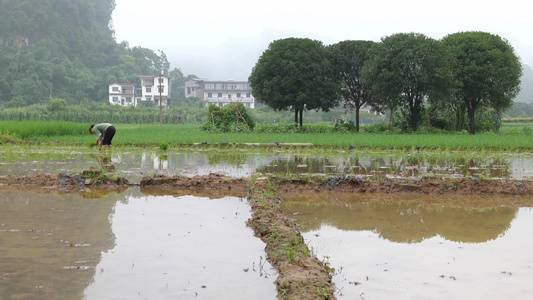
105	132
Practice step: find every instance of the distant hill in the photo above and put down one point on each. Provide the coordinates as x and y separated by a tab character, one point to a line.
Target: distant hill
65	49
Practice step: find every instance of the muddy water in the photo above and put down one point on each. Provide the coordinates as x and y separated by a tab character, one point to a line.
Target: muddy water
420	247
129	246
135	164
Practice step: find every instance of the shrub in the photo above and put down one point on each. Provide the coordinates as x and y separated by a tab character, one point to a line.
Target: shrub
291	128
345	126
230	118
376	128
440	123
57	104
163	146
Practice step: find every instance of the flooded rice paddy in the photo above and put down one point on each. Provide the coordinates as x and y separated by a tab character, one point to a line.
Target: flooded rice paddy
134	164
420	247
130	245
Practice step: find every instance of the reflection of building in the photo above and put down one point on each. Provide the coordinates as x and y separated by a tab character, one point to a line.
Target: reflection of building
152	88
220	92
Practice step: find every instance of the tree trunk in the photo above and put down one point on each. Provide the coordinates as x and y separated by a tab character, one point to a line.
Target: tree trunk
296	117
357	119
471	123
391	121
301	118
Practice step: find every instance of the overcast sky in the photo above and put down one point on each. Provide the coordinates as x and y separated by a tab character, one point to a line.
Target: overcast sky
222	40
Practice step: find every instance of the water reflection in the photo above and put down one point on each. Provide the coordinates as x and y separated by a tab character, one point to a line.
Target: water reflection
403	222
183	248
426	247
239	163
50	244
116	244
134	165
401	164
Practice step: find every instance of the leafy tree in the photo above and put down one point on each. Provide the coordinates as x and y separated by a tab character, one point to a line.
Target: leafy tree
406	70
350	58
487	69
177	91
295	74
148	61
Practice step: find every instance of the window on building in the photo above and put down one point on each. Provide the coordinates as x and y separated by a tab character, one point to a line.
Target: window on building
238	95
128	99
148	89
229	96
114	89
160	79
247	95
161	88
115	99
219	95
148	98
209	95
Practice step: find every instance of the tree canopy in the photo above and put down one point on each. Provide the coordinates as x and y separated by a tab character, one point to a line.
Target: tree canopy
295	74
487	70
350	58
406	70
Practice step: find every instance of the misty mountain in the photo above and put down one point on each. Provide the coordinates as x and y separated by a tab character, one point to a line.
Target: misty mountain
65	49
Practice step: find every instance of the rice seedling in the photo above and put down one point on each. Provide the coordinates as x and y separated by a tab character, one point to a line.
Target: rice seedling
133	134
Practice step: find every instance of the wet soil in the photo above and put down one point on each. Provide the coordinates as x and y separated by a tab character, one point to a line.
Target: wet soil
55	180
432	186
301	274
349	184
211	182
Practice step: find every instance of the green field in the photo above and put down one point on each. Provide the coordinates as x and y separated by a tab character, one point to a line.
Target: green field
511	137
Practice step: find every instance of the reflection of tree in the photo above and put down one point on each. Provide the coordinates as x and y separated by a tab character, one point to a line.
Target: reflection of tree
376	164
227	157
302	164
406	222
50	243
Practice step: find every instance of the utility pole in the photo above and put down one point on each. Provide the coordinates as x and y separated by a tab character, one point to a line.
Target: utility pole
160	98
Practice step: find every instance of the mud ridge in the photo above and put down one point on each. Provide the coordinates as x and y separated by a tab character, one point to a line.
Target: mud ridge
300	274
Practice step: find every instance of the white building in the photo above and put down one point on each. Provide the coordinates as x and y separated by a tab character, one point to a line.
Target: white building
122	93
220	92
153	87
